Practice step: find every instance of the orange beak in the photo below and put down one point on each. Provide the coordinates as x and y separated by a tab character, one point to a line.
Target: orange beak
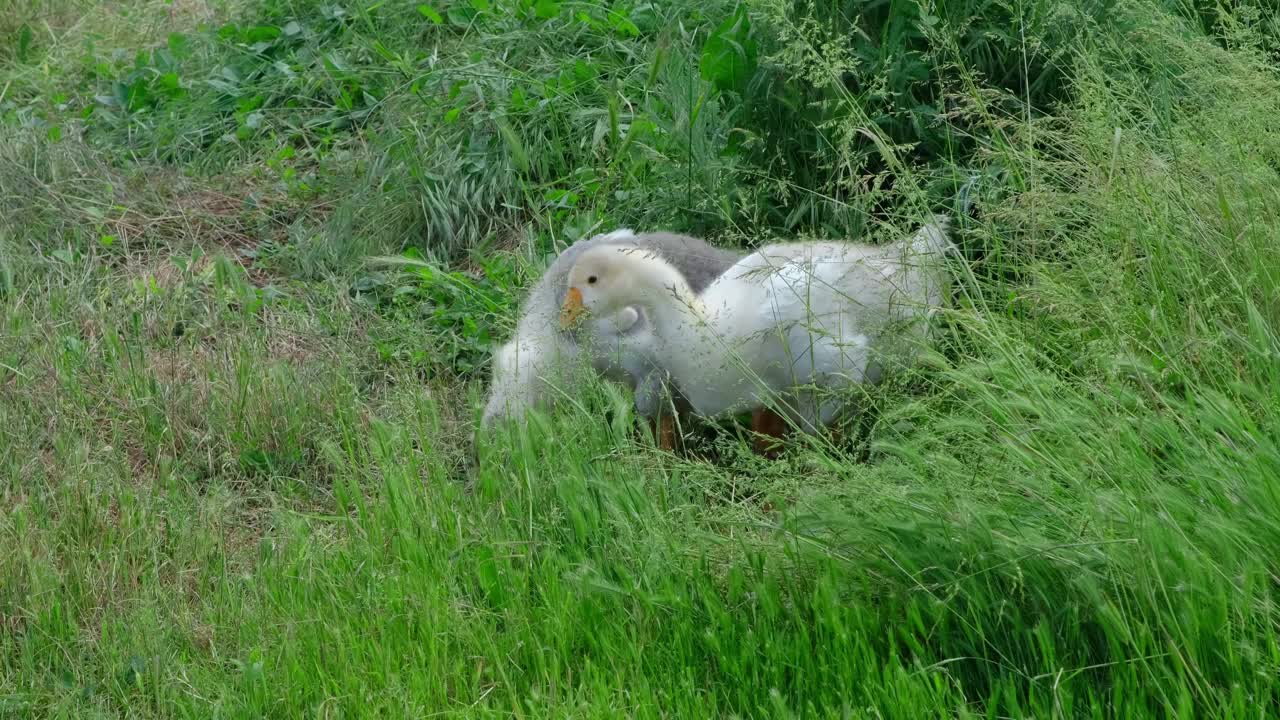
572	310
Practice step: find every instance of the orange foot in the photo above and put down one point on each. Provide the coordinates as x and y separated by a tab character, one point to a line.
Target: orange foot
768	428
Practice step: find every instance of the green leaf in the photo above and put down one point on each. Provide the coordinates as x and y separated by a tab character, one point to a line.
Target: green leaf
107	240
170	84
480	5
179	45
430	13
261	34
518	99
25	38
729	55
489	573
55	133
132	96
460	16
547	9
622	24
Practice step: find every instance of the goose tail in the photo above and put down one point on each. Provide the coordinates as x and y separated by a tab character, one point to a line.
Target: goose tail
934	237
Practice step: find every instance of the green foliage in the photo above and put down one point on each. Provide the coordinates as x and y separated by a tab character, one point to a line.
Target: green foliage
729	55
463	311
861	96
238	474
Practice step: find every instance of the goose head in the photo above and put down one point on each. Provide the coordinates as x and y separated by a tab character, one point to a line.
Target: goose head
603	283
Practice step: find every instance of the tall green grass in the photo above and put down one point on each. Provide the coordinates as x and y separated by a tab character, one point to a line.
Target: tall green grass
237	475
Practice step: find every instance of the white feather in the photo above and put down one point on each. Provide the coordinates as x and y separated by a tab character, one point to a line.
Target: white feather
786	324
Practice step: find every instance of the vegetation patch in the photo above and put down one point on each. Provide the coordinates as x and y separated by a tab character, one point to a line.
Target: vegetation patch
255	254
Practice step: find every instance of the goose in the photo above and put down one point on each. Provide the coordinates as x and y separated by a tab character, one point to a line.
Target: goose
535	366
781	328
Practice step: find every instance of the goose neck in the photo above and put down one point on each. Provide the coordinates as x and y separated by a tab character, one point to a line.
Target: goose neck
667	296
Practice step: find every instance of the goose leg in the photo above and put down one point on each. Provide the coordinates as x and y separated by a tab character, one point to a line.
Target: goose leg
664	431
768	427
835	431
667	432
654	400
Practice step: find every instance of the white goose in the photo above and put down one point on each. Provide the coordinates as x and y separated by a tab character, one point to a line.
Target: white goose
542	360
784	325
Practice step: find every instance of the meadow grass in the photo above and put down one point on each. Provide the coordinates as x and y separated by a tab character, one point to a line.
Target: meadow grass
238	476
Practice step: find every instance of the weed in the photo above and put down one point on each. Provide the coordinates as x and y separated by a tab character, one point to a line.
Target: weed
236	467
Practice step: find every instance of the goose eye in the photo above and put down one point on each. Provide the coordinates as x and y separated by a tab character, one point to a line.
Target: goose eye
592	280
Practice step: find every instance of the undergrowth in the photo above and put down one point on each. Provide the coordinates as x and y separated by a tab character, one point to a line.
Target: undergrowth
238	468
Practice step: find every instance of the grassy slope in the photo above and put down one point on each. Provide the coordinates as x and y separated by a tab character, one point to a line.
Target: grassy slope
234	477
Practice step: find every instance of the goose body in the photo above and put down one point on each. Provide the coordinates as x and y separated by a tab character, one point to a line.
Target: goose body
542	360
782	327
